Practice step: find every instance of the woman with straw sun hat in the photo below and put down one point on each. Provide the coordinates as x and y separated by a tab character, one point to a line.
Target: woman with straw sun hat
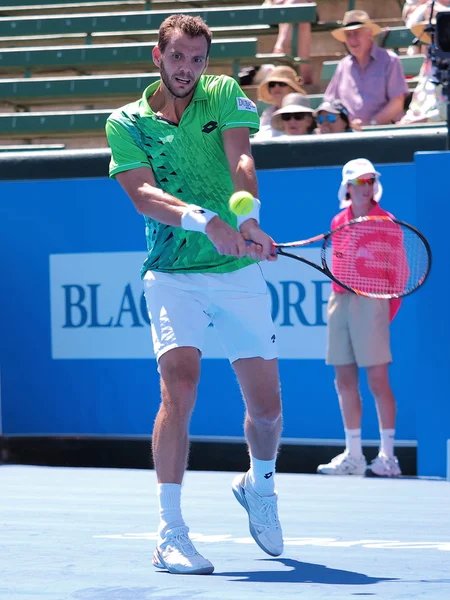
282	80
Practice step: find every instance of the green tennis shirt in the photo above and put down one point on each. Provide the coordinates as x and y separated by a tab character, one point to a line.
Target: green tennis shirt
188	161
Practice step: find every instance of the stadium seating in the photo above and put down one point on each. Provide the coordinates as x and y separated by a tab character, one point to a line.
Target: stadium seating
108	56
395	38
74	90
103	56
55	123
62	25
33	147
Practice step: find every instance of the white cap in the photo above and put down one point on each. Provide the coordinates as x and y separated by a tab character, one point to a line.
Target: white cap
352	170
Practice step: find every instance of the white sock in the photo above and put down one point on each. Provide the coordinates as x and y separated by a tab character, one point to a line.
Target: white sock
353	442
261	476
387	442
169	497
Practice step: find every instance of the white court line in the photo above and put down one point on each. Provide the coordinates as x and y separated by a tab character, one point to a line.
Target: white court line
448	460
295	541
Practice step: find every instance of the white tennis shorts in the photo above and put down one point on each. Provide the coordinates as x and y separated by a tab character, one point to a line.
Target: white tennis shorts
182	305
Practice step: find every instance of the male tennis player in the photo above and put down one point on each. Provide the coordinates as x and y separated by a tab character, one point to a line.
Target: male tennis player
358	336
180	152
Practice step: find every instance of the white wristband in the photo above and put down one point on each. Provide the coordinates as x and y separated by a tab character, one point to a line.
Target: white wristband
196	218
254	214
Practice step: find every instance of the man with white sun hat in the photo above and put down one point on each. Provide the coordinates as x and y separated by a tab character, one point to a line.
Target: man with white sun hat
358	336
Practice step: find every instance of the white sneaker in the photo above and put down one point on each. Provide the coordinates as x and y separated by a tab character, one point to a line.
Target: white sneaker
262	516
178	555
344	464
384	466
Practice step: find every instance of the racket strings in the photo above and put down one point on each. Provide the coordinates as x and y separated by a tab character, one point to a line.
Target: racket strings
377	258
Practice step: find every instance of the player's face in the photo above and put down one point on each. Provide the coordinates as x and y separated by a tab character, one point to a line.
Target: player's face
182	63
361	192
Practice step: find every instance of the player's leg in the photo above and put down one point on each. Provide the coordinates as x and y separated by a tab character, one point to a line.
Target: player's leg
244	324
180	372
177	343
341	356
371	340
259	381
255	490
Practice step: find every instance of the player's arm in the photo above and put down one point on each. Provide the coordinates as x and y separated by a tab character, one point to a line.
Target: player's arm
157	204
131	167
237	148
149	200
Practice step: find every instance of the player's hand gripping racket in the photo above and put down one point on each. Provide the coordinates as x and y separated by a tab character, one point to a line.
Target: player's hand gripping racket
375	257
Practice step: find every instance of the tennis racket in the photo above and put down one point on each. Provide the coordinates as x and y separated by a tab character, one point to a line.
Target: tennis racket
374	257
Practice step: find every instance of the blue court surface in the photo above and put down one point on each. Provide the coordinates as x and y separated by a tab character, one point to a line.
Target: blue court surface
89	534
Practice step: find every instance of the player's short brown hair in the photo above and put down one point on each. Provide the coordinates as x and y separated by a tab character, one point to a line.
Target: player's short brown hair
191	26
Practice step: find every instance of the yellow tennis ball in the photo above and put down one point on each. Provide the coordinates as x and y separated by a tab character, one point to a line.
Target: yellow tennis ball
241	203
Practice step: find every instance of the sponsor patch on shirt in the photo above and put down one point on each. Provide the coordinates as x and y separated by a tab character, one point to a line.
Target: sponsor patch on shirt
246	104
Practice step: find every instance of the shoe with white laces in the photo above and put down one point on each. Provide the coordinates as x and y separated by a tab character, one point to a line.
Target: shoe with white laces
344	464
262	516
177	554
384	466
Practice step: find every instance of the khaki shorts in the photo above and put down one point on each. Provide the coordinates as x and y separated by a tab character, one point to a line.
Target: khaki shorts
358	331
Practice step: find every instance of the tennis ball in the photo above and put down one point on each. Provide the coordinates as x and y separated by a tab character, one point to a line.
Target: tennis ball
241	203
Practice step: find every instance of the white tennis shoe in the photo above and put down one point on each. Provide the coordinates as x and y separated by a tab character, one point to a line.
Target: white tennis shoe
178	555
344	464
384	466
262	516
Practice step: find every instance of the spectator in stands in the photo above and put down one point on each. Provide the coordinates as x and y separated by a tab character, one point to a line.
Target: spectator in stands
332	117
416	11
358	336
413	12
284	40
370	80
411	8
295	117
280	82
428	102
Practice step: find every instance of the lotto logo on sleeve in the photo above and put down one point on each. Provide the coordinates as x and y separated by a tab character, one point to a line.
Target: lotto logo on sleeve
246	104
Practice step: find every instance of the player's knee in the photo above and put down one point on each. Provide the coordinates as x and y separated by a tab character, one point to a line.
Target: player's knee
267	417
179	392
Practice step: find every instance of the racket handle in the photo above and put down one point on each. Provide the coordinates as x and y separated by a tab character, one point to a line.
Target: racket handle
274	248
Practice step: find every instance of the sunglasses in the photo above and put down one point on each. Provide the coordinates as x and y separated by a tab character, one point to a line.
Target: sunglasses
296	116
330	118
272	84
363	180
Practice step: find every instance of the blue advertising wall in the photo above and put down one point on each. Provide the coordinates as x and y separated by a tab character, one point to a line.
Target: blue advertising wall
75	344
431	371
